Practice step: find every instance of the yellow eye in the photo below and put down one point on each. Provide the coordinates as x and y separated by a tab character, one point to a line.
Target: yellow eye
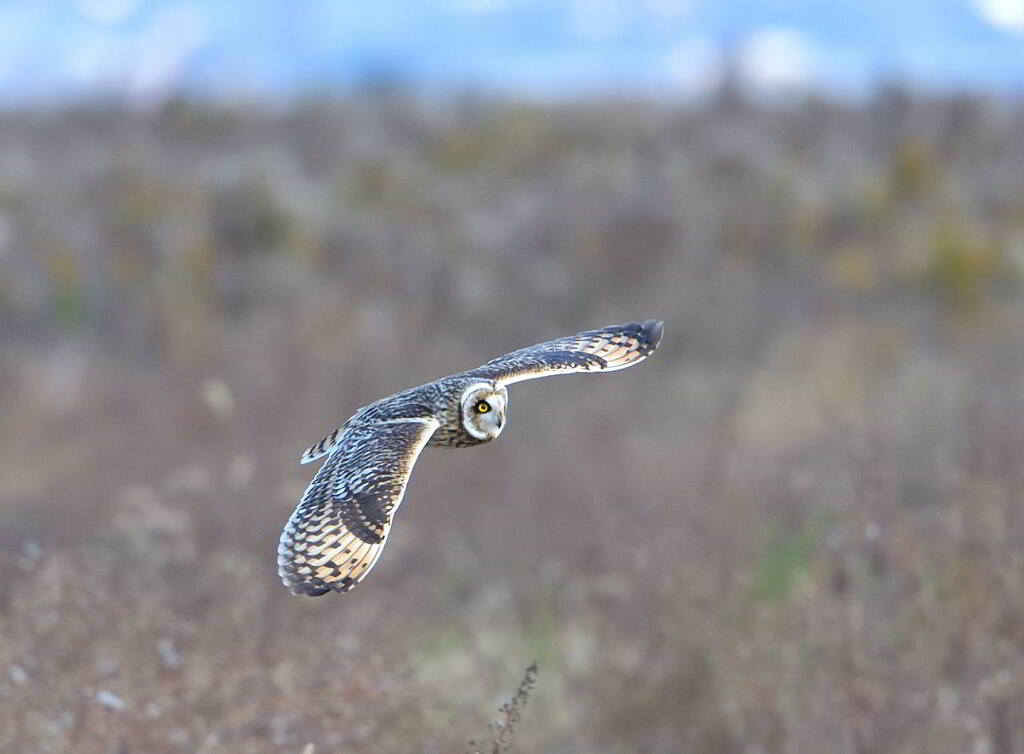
482	407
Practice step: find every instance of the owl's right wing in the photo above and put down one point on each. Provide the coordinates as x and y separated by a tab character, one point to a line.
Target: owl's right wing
339	528
608	349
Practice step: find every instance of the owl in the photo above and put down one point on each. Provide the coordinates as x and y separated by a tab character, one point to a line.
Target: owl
341	525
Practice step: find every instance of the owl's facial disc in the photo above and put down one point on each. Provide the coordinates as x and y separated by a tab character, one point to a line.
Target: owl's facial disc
483	410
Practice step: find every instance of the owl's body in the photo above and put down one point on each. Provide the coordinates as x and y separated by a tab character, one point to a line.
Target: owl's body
336	534
439	399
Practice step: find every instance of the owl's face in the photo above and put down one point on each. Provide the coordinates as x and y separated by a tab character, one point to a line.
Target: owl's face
483	410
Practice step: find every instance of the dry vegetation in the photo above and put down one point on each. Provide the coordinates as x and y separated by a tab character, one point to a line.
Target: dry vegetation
797	529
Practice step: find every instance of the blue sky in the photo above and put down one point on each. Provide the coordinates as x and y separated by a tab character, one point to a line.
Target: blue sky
143	49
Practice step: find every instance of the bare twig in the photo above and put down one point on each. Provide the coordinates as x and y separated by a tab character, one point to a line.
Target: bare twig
512	711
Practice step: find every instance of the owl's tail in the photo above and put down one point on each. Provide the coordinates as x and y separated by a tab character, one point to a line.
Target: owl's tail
323	447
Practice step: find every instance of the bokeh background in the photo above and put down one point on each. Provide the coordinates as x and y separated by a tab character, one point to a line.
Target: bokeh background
798	528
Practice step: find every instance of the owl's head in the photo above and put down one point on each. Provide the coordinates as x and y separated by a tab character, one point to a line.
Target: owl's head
483	409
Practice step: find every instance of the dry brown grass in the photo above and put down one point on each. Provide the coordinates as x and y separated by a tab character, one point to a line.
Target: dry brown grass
797	529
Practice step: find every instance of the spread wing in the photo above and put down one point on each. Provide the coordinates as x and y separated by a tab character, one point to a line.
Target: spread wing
337	532
607	349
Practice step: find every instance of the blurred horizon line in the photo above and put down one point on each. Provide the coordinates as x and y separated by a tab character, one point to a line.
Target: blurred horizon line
732	89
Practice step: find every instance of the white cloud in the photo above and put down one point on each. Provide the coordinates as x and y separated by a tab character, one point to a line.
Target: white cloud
145	64
166	48
778	58
1004	14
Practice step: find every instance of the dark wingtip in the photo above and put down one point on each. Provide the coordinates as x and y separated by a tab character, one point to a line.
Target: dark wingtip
653	329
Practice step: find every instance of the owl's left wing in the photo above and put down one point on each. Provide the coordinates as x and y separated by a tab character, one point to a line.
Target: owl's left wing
607	349
337	532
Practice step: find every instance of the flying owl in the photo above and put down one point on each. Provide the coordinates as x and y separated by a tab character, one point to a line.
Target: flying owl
340	526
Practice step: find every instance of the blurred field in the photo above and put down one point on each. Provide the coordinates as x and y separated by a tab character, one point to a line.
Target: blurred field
798	528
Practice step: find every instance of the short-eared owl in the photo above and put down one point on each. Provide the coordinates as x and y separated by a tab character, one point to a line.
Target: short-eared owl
337	532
